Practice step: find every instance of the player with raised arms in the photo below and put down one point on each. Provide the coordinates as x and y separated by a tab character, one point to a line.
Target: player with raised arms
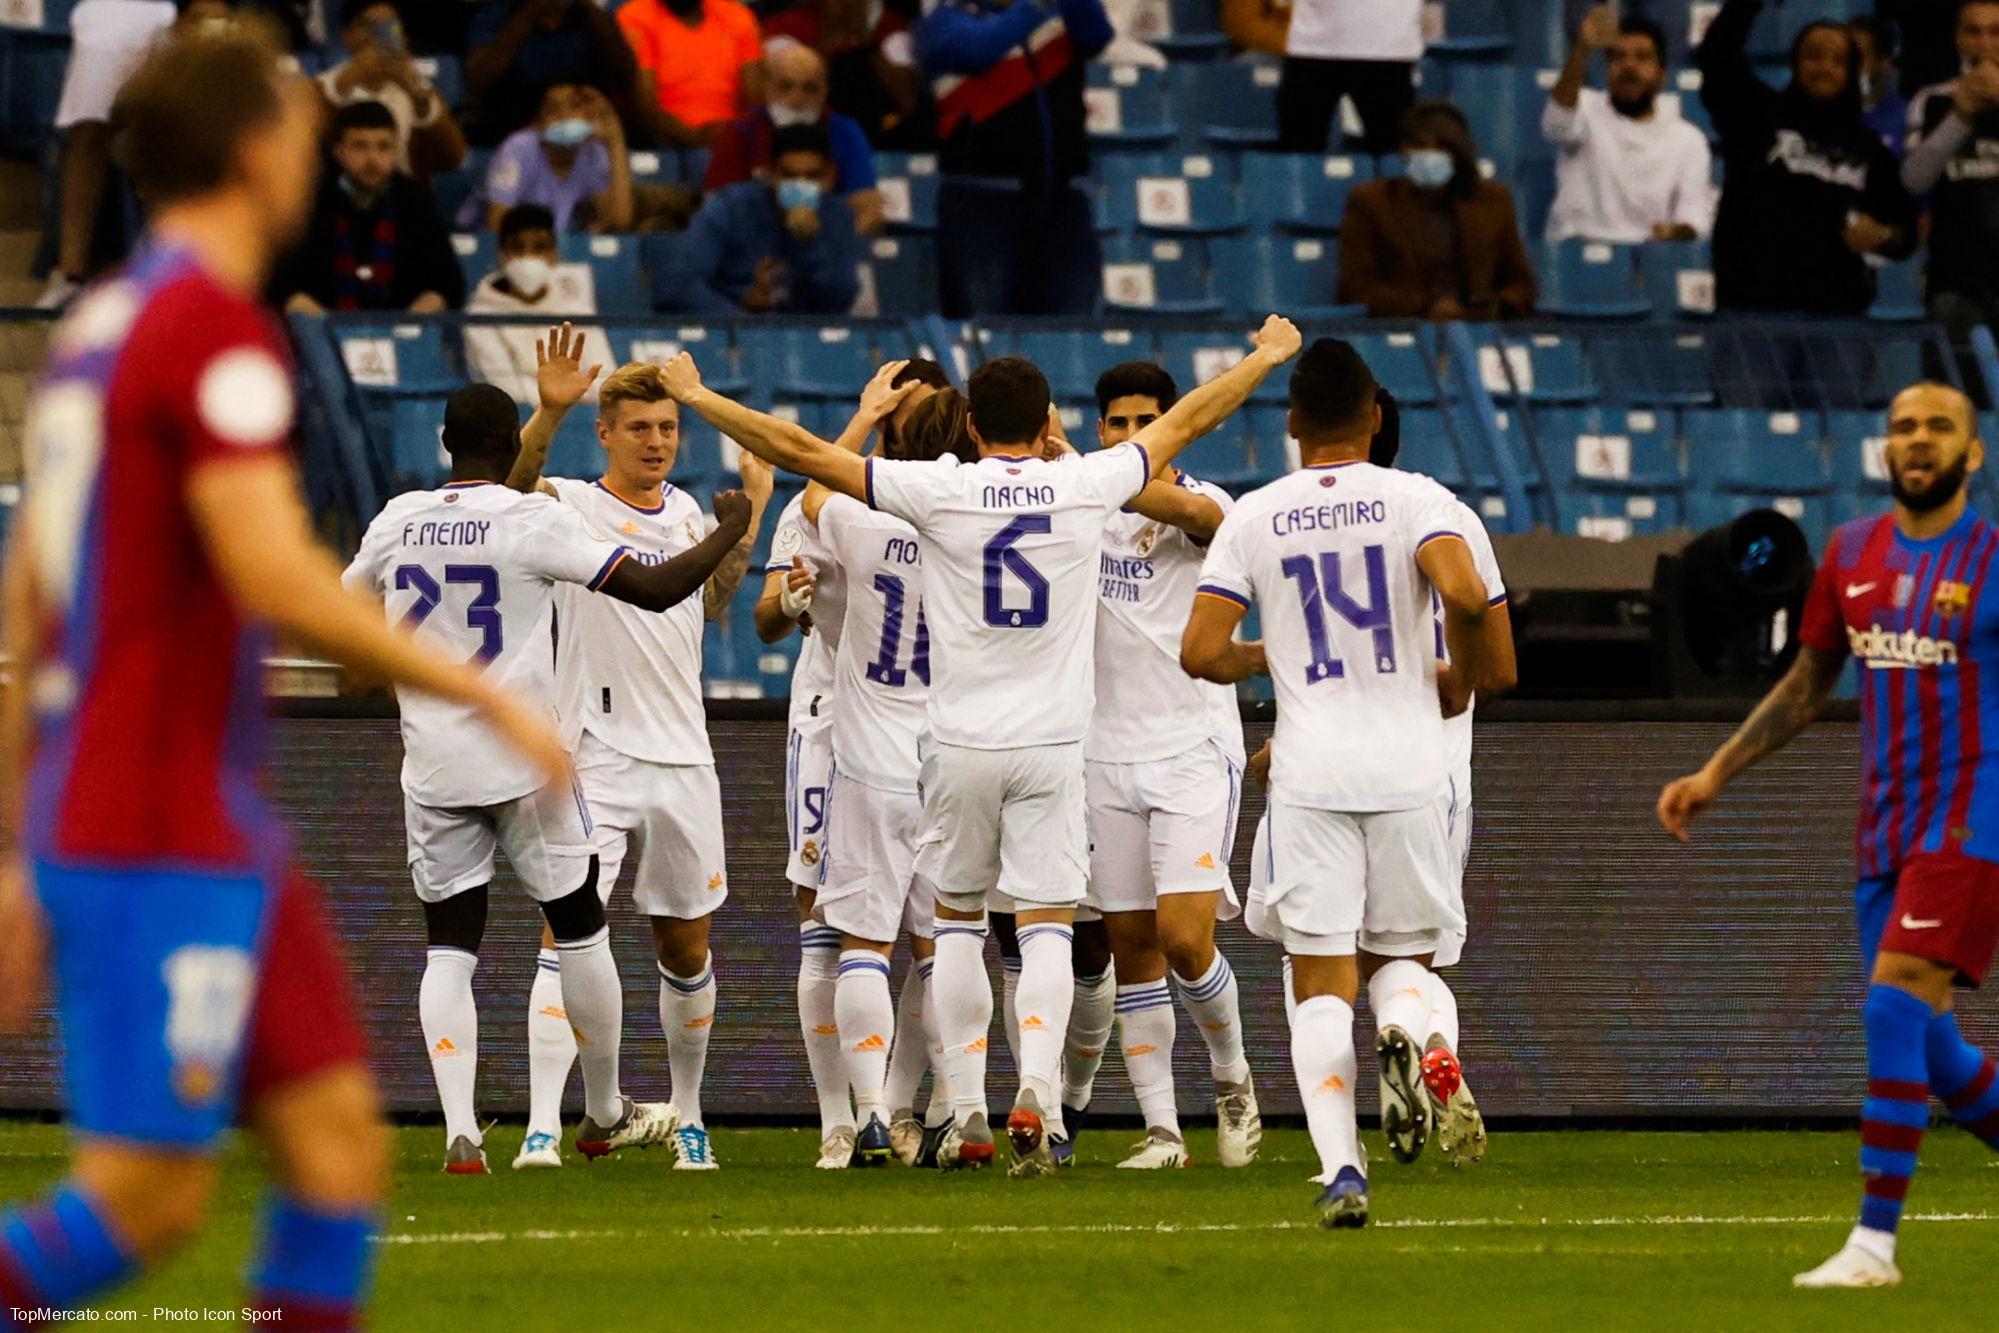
1341	558
1010	558
164	539
1904	593
474	567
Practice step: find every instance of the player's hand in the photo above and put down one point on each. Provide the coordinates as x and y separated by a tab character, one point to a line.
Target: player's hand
794	597
559	376
1278	340
759	478
1599	29
681	377
882	395
1452	696
732	511
1686	799
1259	768
23	936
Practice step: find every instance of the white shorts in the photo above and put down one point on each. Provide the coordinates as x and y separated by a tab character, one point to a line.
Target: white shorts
671	814
1012	816
808	772
1377	881
545	834
1451	948
1163	827
867	886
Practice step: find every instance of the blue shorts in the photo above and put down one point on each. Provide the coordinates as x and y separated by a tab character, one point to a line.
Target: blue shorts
155	977
1873	900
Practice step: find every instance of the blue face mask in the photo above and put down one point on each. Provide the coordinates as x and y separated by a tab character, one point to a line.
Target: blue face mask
567	133
792	193
1431	168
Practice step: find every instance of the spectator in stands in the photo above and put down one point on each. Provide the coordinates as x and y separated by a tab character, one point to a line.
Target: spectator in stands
530	283
1439	242
1363	49
1629	170
1928	30
794	85
379	69
1263	26
784	242
699	58
107	40
519	49
1015	235
376	241
1883	109
1953	157
572	161
1809	192
870	54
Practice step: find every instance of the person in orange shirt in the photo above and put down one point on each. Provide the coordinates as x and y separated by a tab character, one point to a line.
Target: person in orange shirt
700	57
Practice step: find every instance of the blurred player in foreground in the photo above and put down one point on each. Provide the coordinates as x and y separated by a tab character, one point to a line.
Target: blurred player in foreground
1904	593
195	975
1341	559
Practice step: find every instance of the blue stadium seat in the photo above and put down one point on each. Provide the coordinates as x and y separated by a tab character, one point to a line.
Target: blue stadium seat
1474	28
53	18
1430	447
1299	275
1196	358
1535	368
1195	31
1267	440
446	74
1614	517
404	356
1166	192
1898	297
672	166
1768	453
1072	359
1858	466
614	262
705	461
1589	280
1127	106
575	451
908	182
1503	103
1231	102
1651	368
1300	191
417	449
1401	364
478	254
905	274
658	344
1813	513
1221	457
1678	278
659	255
31	74
830	361
1593	448
455	188
1164	274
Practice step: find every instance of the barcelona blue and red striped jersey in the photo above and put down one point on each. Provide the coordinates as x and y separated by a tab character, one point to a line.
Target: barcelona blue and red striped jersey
1915	615
148	696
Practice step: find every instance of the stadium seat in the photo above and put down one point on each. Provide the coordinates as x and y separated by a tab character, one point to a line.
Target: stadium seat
460	192
904	270
1196	358
1267	441
1615	517
1164	274
1473	28
659	255
1593	448
417	447
908	182
575	451
1429	446
1589	280
1503	103
1858	466
1127	106
614	263
478	254
1401	364
1194	31
1652	368
1221	457
1072	359
705	461
407	356
1534	368
657	345
830	361
446	74
31	76
1298	275
1166	192
1771	453
1300	191
50	16
1813	513
1232	103
1678	278
1898	297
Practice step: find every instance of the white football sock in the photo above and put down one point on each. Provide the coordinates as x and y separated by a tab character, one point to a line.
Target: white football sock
451	1034
1322	1057
909	1053
687	1016
1047	993
962	995
1010	1008
1214	1004
594	999
551	1046
1146	1028
1095	1008
867	1026
1443	1012
939	1108
818	971
1399	995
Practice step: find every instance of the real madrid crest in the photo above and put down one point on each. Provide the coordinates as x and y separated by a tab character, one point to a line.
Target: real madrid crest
1148	538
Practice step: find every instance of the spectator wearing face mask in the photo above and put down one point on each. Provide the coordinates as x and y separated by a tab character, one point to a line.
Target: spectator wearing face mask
1440	242
870	54
376	241
1809	191
1953	156
529	283
784	242
794	85
572	161
1883	109
1628	170
699	58
518	49
379	69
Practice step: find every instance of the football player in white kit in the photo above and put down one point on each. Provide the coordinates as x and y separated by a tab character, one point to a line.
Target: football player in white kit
1010	555
804	589
1340	558
629	692
1163	781
474	568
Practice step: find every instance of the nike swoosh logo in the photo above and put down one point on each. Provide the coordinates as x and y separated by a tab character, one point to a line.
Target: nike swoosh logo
1857	589
1910	923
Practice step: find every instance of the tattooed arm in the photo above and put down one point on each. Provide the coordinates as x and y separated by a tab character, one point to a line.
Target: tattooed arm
758	481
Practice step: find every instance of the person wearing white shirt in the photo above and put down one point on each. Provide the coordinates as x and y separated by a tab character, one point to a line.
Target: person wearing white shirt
1335	49
529	282
1011	548
1629	170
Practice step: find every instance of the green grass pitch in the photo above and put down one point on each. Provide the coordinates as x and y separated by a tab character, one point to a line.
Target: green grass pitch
1556	1231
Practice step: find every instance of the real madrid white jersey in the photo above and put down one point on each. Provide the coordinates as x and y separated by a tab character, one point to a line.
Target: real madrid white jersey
811	711
1457	730
882	682
474	569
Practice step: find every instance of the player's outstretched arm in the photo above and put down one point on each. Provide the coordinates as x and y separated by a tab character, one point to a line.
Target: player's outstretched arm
783	444
1786	710
1209	649
1207	407
1166	501
758	482
1446	561
658	587
560	383
255	528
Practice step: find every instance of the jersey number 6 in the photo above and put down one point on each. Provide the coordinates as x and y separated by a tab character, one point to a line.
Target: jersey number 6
1002	559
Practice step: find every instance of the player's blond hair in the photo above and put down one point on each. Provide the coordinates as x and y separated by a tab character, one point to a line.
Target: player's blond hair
639	382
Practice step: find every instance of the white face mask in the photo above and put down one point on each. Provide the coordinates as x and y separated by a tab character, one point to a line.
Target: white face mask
782	116
528	275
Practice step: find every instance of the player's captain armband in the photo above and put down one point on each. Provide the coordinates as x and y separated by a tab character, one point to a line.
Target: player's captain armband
244	398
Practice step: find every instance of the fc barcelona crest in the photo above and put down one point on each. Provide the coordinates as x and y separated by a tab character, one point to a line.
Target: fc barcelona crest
1952	599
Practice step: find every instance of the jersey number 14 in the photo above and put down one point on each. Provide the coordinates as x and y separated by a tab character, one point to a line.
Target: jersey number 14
1321	589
